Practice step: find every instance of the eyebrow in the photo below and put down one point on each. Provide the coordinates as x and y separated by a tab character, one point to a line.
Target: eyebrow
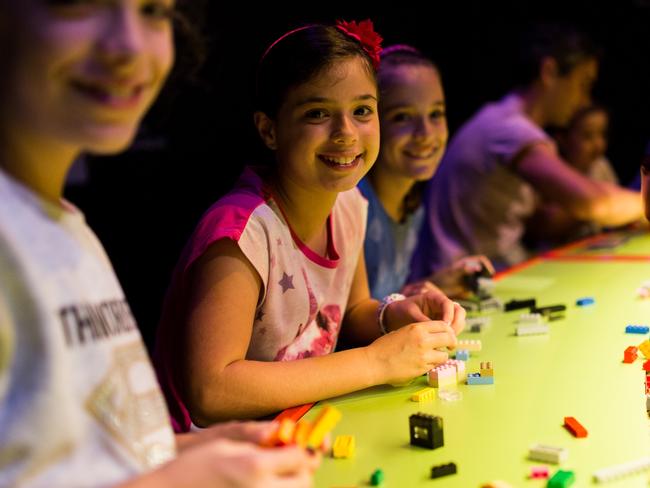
435	104
307	101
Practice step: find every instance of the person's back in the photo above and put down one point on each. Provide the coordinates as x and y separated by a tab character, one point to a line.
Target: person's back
477	202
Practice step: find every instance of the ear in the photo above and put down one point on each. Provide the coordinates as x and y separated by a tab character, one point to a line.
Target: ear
266	129
548	71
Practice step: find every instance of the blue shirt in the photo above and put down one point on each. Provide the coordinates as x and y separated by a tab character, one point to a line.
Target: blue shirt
389	245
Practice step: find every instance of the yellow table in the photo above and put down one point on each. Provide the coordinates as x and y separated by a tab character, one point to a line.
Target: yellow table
576	371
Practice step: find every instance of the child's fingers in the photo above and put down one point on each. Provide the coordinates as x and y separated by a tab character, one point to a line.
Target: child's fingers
458	323
487	263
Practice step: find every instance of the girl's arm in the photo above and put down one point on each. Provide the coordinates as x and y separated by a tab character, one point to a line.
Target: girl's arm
221	384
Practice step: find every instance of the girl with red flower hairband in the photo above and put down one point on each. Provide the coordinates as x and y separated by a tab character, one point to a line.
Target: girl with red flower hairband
413	139
275	271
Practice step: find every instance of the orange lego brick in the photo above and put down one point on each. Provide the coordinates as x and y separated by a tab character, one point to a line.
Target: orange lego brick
301	432
282	436
575	427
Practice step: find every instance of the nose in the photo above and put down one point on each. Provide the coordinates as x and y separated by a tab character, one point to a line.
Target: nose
424	130
122	38
344	131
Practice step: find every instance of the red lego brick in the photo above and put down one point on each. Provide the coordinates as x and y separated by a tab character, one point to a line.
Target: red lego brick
646	365
630	354
573	426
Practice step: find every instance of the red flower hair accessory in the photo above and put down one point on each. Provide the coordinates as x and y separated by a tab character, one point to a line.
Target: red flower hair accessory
364	32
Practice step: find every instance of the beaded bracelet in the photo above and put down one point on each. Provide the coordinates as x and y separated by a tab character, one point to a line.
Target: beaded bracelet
387	300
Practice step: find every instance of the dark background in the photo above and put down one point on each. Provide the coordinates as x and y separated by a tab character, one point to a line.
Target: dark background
144	203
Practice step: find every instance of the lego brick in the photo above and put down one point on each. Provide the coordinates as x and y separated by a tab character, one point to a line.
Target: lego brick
620	470
583	302
327	418
283	434
532	329
472	345
561	479
575	427
302	432
424	395
539	472
490	304
344	446
477	379
549	309
644	347
461	373
426	430
547	454
442	376
519	304
486	369
462	355
377	478
530	318
476	324
443	470
496	484
637	329
646	365
630	354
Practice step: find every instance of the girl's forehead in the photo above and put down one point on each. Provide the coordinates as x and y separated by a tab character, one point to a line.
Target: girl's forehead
340	80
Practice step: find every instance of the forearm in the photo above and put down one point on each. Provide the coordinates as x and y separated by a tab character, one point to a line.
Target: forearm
360	326
250	389
621	206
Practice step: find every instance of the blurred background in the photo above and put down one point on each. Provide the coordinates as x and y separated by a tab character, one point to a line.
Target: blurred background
144	203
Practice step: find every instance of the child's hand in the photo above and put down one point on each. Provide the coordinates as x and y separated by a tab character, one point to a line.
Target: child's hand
451	278
411	351
432	305
240	464
418	287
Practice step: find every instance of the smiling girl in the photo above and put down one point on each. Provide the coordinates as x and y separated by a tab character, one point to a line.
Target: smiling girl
275	271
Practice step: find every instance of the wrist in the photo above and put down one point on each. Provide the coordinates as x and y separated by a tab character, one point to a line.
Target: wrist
382	320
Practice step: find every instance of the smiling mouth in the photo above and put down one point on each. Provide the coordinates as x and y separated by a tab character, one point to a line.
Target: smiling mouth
118	97
341	162
422	154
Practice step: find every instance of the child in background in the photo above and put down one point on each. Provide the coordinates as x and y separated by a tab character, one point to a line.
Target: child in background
582	144
79	402
275	269
498	162
413	139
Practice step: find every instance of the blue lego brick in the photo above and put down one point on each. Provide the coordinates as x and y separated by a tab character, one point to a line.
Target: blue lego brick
462	355
637	329
476	379
582	302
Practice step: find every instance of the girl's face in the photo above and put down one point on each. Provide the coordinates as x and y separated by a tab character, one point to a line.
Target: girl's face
83	72
586	140
326	135
413	123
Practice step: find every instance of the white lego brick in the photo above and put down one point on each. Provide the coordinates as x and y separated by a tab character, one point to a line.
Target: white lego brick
532	329
548	454
531	318
618	471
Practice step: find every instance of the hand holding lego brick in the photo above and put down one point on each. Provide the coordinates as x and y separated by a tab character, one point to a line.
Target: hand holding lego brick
409	352
425	307
224	462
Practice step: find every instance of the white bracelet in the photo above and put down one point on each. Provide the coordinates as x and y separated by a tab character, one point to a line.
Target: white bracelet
387	300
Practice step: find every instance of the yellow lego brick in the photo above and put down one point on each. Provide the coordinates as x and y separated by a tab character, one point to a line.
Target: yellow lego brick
644	347
283	435
324	423
301	433
424	395
472	345
343	446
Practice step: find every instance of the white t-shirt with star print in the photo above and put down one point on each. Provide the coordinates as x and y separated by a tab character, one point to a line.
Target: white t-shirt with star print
79	401
304	295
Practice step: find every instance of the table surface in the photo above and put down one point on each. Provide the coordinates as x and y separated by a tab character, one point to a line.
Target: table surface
576	370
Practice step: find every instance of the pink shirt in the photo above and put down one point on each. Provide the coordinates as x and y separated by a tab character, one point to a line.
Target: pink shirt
304	295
